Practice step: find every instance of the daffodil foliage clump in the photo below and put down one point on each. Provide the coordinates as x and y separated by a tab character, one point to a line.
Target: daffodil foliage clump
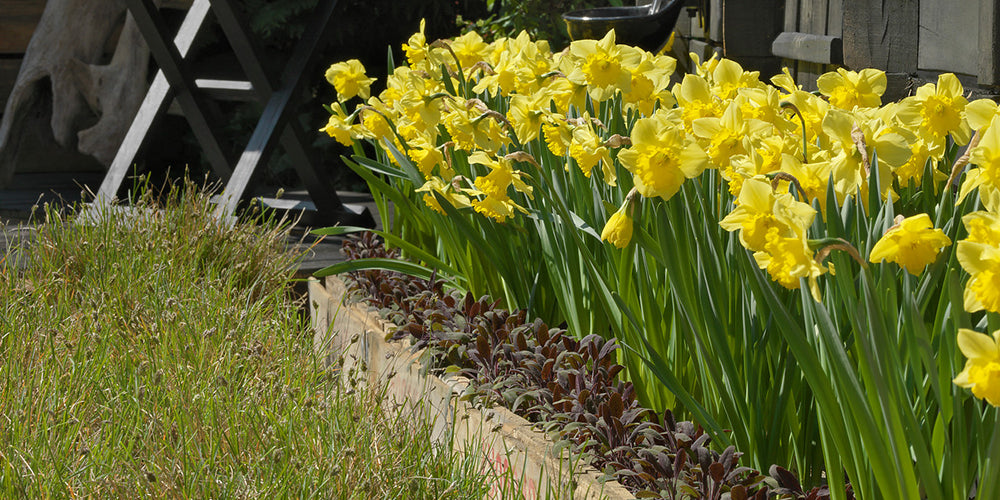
812	277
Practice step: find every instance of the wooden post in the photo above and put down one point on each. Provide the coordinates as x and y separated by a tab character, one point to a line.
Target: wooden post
883	34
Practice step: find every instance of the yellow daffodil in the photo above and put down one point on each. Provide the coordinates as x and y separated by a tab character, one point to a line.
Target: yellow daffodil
695	99
789	259
813	111
983	227
981	113
855	139
921	150
728	77
375	120
724	136
602	65
472	126
982	369
339	126
985	173
426	156
457	198
937	110
848	89
982	262
558	134
349	79
495	202
760	209
650	79
784	81
470	49
526	114
913	243
502	175
764	104
661	156
588	149
618	230
416	47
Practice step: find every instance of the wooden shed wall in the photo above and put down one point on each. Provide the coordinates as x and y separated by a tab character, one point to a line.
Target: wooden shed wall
911	40
18	19
816	17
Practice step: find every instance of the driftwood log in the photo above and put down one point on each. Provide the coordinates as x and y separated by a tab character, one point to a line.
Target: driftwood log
71	104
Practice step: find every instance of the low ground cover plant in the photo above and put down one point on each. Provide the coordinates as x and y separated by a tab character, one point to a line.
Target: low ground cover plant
568	387
812	277
166	355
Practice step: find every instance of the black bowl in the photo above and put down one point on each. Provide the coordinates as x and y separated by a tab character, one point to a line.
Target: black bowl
633	25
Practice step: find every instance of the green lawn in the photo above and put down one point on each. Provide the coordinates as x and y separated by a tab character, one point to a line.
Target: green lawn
168	357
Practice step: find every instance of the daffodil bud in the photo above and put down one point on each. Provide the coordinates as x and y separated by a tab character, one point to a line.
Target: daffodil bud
618	230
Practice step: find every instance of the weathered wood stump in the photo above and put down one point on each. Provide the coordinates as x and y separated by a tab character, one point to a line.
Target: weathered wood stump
71	105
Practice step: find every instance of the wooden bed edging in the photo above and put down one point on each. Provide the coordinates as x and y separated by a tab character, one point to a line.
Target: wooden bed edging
520	456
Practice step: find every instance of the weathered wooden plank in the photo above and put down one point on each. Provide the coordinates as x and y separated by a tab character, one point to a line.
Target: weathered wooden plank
812	17
807	47
880	34
949	37
18	19
807	75
715	20
835	18
989	43
792	15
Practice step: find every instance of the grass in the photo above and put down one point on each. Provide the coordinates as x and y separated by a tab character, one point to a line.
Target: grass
166	356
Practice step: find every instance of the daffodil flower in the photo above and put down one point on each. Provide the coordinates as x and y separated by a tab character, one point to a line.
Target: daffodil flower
788	260
426	156
650	79
848	89
982	261
588	149
985	175
339	126
470	49
938	109
913	243
724	136
760	209
618	230
526	113
982	369
981	113
349	79
662	156
695	99
983	227
602	65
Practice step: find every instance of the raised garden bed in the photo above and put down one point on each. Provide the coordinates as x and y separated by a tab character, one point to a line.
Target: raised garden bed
501	360
521	458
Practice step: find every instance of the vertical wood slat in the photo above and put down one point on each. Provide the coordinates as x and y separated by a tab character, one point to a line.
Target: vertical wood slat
792	15
989	43
791	24
812	19
835	18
